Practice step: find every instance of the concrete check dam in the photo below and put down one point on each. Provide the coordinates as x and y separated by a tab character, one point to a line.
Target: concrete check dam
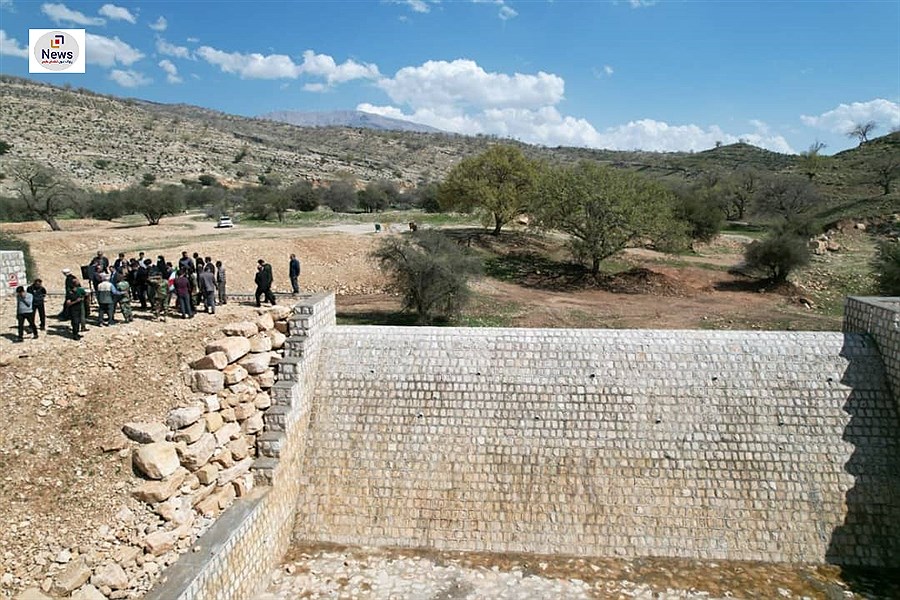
726	445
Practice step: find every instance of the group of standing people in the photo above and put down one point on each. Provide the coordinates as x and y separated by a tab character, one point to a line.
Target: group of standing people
192	282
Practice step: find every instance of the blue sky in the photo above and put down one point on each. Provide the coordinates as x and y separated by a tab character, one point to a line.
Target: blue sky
626	74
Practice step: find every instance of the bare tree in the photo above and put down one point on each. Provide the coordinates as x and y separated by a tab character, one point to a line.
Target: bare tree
862	131
885	170
42	190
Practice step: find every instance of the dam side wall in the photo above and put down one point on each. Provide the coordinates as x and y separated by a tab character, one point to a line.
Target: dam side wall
717	445
234	558
880	318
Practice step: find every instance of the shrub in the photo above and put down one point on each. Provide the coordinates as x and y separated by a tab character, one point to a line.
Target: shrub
887	267
430	271
777	255
207	180
703	214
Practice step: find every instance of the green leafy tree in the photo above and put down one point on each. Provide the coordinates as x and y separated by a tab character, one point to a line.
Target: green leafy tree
887	267
777	255
430	271
148	180
42	190
280	202
107	206
603	209
378	195
156	204
498	183
340	196
738	192
701	209
303	196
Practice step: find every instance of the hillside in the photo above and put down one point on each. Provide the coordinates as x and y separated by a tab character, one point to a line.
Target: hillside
109	142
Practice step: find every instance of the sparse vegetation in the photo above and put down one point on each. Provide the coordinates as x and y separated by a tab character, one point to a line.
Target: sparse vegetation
887	267
430	271
777	255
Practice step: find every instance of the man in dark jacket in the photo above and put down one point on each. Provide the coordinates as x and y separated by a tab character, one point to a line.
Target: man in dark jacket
38	294
294	274
263	281
207	283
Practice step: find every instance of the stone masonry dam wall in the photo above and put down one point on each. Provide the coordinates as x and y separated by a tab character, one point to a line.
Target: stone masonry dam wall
727	445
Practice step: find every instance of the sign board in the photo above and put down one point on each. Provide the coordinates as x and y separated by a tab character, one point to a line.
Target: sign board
13	280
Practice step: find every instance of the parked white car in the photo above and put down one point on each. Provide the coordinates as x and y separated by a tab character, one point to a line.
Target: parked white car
224	222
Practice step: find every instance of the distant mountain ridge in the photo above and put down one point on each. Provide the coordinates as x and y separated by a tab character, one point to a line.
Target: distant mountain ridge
346	118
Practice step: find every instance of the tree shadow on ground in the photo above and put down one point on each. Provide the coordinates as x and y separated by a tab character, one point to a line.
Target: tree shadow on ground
867	545
379	317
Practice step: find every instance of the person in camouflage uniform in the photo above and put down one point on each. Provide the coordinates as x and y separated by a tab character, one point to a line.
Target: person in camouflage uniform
157	289
124	299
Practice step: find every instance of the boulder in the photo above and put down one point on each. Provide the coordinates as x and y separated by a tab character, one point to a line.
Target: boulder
213	360
126	555
260	343
253	425
176	510
234	374
266	379
75	575
278	339
227	432
110	575
279	312
155	461
211	403
32	594
244	410
160	542
233	347
180	418
230	474
145	433
191	434
239	448
281	327
208	381
255	363
228	415
193	456
262	401
241	328
214	421
265	321
157	491
88	592
207	473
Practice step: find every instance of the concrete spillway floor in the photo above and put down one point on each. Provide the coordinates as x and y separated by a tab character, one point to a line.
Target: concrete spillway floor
380	574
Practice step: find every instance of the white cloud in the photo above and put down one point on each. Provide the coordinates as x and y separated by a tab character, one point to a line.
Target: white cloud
280	66
251	66
463	82
315	87
10	46
107	52
462	97
641	3
419	6
171	71
322	65
159	25
128	78
117	13
193	40
7	5
60	13
506	12
608	70
169	49
845	116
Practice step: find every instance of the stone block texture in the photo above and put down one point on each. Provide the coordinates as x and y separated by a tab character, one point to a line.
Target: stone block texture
880	319
12	269
729	445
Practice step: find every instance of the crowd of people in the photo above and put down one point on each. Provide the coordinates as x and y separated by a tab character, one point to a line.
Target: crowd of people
192	284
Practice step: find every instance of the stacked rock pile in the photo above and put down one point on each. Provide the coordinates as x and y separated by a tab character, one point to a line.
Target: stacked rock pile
196	462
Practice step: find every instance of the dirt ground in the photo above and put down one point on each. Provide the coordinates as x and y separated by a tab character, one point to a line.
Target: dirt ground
65	476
